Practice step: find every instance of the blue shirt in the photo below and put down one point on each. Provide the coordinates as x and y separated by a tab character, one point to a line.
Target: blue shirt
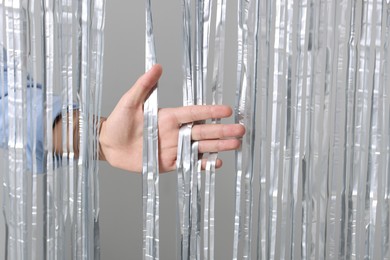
38	108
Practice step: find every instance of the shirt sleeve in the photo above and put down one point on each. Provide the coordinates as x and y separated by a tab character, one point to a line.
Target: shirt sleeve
39	123
35	120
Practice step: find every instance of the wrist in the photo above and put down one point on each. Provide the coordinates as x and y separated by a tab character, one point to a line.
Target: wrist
102	155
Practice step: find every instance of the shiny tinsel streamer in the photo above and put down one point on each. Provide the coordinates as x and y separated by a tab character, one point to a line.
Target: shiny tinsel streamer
195	202
209	197
375	158
183	162
319	180
3	55
49	81
347	214
295	60
364	112
91	49
67	115
150	154
337	40
17	75
202	27
279	178
10	228
245	110
81	249
209	206
299	137
3	141
97	77
32	68
183	175
384	179
8	202
202	37
200	40
264	87
58	179
85	213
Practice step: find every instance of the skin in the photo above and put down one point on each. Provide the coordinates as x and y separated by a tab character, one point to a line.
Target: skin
121	133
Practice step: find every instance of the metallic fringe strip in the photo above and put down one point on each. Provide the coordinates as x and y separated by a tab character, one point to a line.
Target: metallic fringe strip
217	87
245	113
150	154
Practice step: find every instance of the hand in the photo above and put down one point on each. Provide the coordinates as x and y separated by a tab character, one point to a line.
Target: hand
121	134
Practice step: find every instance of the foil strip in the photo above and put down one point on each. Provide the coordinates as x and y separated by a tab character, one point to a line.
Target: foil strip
32	69
237	204
98	53
73	164
217	87
263	104
363	121
58	188
319	180
384	180
150	154
184	164
245	112
3	64
336	163
8	191
184	183
374	158
203	11
17	125
188	80
195	203
209	206
67	115
85	207
48	92
3	140
199	71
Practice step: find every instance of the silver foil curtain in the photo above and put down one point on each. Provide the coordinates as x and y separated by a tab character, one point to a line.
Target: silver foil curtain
313	93
51	75
312	90
324	130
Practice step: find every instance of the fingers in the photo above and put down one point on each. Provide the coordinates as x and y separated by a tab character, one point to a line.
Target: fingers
218	138
197	113
210	146
140	91
218	163
217	131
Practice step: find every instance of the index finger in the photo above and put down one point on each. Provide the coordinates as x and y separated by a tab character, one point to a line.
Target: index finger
189	114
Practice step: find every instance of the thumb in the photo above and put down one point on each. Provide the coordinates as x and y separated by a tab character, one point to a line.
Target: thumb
142	88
